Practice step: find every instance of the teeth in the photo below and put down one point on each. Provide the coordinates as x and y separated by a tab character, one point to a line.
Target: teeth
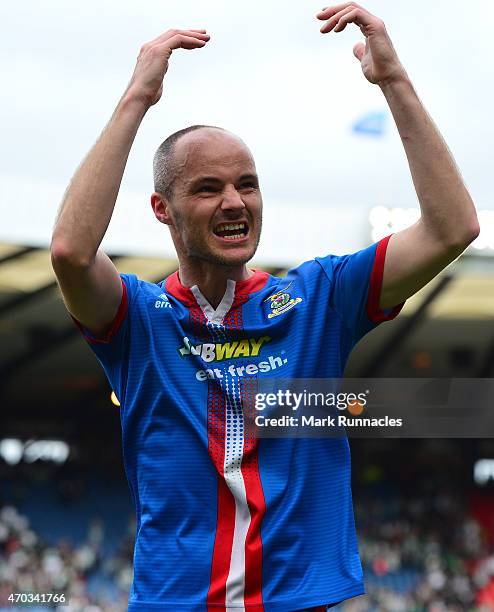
230	226
234	237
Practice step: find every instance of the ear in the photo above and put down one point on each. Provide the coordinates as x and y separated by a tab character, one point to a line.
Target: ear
161	208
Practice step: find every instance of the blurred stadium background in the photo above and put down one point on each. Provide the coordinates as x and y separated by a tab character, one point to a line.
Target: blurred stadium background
424	508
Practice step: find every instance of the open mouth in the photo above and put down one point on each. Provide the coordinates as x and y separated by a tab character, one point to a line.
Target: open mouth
231	231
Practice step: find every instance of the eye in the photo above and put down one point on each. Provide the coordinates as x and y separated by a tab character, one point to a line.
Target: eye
209	188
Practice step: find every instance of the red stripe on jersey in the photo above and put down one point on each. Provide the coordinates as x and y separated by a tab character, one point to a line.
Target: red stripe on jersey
252	481
255	502
222	551
374	312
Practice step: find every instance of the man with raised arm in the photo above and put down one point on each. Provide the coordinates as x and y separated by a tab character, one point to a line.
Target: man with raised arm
227	521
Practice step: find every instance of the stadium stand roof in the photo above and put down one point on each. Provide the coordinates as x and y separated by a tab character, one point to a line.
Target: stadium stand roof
43	359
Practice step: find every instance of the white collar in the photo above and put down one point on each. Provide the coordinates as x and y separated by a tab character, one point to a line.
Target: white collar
212	315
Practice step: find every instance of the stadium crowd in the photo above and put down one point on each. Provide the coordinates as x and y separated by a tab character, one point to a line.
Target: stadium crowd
90	580
423	554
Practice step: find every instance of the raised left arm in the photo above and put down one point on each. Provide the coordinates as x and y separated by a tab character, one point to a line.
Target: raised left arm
448	222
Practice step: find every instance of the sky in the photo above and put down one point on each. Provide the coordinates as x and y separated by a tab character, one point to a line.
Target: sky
268	75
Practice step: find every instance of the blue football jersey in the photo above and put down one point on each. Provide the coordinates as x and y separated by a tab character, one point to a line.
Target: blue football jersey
228	521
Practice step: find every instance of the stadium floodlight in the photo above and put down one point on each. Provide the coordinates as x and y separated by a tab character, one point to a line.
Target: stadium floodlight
46	450
483	471
11	450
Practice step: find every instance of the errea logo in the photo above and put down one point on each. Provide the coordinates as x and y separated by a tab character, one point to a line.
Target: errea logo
163	302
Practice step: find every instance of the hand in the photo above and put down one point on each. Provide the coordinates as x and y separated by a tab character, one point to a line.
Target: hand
378	59
146	83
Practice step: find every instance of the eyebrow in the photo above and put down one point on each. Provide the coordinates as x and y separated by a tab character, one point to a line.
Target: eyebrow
215	179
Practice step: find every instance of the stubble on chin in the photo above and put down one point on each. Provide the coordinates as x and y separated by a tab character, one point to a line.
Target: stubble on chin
199	249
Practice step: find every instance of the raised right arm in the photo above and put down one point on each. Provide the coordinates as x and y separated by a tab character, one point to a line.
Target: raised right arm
90	284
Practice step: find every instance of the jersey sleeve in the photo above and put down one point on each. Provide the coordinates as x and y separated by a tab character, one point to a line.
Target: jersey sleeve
356	287
112	349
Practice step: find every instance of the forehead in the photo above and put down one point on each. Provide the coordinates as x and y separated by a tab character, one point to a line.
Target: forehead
210	151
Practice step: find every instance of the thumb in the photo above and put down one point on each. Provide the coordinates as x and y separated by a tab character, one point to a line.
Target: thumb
359	50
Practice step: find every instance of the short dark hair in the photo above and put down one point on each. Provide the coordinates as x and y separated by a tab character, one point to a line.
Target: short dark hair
164	167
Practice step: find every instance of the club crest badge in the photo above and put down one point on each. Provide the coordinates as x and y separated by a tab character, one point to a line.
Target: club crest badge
281	301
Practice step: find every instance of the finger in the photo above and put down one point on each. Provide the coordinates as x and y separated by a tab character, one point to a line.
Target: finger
329	11
197	33
194	33
181	41
361	18
359	50
344	20
331	23
170	33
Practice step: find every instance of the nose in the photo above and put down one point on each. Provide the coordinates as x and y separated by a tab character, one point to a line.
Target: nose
232	200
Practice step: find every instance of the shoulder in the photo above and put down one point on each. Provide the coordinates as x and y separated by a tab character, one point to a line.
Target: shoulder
319	269
305	281
139	290
134	283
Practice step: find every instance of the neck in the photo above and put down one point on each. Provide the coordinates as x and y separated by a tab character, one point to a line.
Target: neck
211	278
